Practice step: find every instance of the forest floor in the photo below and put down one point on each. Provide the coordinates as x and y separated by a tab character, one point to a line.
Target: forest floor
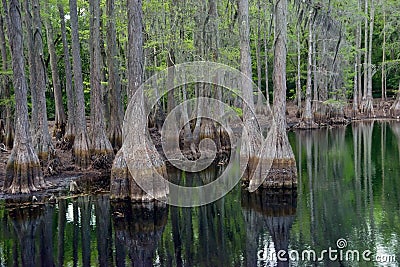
93	181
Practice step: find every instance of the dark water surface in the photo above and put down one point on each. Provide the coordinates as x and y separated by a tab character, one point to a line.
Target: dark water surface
349	190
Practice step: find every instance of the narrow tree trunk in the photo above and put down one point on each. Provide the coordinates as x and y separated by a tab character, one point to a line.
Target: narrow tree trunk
266	51
355	91
308	118
31	60
384	96
298	78
143	158
359	57
69	136
114	80
283	172
60	119
367	106
81	147
370	108
41	137
101	149
6	86
260	105
23	173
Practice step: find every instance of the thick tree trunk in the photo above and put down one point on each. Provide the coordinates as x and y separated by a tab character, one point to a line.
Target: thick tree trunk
81	147
250	148
60	119
70	128
114	80
101	149
23	172
283	172
6	86
143	157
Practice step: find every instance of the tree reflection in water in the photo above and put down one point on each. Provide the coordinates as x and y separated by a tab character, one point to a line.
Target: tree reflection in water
274	211
138	229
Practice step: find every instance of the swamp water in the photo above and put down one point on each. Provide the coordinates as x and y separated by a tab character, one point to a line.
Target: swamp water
348	198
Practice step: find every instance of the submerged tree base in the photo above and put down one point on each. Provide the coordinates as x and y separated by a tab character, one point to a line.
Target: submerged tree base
304	125
124	186
395	109
283	174
23	171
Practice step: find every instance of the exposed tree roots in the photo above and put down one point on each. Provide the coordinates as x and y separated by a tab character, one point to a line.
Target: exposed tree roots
395	109
59	131
23	172
305	125
367	107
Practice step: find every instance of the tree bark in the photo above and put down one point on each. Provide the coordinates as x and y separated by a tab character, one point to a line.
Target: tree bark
6	86
114	80
70	128
283	172
367	106
384	80
60	119
23	172
308	118
81	147
101	149
143	157
260	108
31	60
298	78
252	145
41	137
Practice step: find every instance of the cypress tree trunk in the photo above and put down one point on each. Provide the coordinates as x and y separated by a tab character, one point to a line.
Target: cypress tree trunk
70	128
23	173
101	149
143	157
308	118
252	145
6	84
31	60
283	172
60	119
81	147
114	80
367	105
41	137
